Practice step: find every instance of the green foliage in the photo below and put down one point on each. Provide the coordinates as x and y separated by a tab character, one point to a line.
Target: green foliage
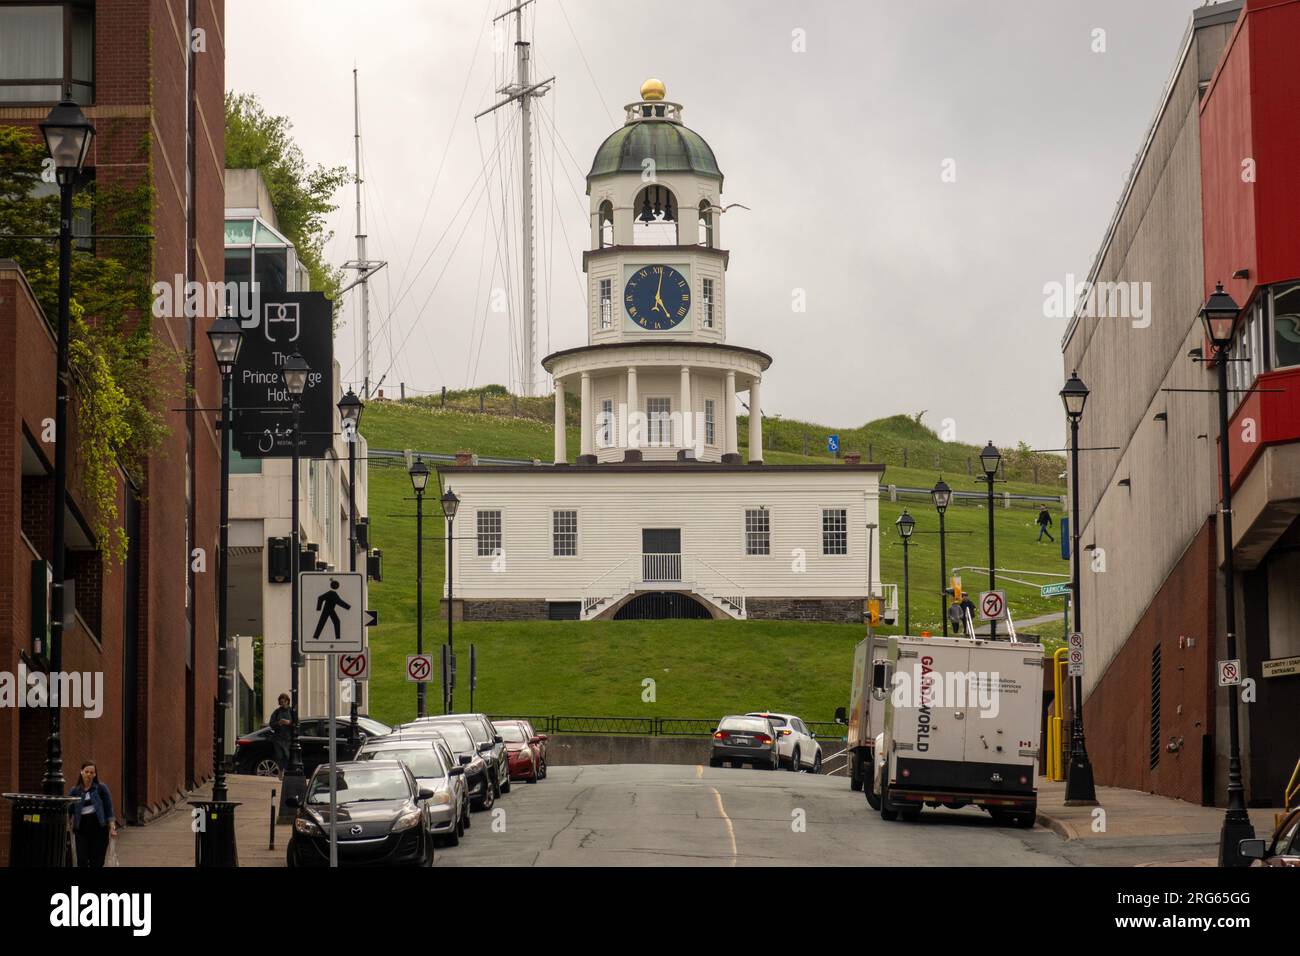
122	377
301	196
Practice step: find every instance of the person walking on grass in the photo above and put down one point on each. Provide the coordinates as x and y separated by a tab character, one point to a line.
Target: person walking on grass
1044	524
93	820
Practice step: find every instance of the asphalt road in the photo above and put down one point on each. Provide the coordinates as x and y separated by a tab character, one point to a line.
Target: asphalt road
648	815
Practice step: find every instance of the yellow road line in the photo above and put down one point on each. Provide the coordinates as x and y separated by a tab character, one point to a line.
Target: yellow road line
731	832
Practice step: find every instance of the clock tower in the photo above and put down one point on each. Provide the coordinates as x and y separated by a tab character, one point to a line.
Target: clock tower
657	379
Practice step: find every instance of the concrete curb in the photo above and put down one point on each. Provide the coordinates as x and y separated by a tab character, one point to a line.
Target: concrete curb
1061	828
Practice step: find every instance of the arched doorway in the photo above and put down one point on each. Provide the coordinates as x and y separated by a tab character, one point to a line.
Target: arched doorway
661	605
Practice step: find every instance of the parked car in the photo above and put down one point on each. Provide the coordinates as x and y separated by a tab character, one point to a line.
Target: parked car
522	749
796	744
482	795
541	740
255	751
745	740
487	739
1283	849
380	819
436	769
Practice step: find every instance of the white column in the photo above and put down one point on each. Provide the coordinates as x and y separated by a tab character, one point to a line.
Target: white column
755	422
587	412
685	435
633	410
731	444
561	451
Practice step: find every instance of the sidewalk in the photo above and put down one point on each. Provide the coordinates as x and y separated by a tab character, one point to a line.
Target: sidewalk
1133	815
169	841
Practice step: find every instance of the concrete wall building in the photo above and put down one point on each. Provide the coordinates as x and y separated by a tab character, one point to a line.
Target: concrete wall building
260	489
149	75
1212	196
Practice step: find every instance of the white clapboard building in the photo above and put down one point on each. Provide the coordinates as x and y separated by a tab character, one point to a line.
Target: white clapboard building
659	516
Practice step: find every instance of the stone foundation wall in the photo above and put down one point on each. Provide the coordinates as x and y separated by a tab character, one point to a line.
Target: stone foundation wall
846	610
498	609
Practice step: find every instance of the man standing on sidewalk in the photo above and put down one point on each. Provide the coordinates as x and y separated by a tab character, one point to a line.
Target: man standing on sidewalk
281	723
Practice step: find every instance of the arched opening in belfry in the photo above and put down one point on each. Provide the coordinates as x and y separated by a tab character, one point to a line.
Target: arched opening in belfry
606	223
655	212
706	223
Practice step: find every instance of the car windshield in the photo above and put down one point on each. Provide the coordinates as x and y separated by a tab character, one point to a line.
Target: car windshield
422	761
751	725
374	727
356	784
776	721
476	730
457	737
512	733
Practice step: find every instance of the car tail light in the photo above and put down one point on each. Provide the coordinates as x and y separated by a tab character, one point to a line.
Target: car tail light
785	732
721	735
763	739
243	742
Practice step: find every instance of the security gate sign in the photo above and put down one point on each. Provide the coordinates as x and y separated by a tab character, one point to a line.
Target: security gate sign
331	611
993	605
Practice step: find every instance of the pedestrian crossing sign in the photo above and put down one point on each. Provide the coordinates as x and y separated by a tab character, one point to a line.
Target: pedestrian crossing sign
331	613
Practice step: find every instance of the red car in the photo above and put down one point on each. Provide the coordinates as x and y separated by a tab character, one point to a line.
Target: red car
523	749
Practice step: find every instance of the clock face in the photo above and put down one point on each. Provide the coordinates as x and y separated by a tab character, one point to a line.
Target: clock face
657	297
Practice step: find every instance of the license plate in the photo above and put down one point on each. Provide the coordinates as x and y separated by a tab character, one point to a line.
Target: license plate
743	741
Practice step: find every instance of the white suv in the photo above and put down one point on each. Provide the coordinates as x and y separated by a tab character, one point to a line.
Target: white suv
796	745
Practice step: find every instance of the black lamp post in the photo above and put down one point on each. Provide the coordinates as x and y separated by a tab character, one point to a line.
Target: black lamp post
1079	787
449	505
941	495
419	473
215	844
294	372
350	409
906	524
39	831
68	135
990	458
1220	314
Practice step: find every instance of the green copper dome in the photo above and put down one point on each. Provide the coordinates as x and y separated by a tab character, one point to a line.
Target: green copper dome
673	147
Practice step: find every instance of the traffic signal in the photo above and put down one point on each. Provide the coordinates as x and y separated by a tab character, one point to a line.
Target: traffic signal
956	588
873	610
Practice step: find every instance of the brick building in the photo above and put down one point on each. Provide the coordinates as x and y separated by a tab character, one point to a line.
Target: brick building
1214	195
150	75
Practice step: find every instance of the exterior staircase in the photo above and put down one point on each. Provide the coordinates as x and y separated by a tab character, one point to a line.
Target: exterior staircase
663	572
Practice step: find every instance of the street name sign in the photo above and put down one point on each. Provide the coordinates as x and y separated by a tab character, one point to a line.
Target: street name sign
330	613
1054	590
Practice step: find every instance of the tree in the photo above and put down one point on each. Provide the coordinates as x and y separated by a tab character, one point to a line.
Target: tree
302	197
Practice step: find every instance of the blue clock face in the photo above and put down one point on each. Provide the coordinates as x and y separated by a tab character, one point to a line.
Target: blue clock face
657	298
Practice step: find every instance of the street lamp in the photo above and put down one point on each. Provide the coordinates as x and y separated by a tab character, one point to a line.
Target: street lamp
1079	788
906	524
350	409
419	473
38	836
450	503
1220	314
941	495
216	845
990	458
294	372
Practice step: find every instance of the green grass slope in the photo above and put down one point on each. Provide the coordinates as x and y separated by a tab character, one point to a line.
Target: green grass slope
700	668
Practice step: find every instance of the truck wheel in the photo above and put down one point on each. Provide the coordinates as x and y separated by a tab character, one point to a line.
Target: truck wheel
714	762
855	776
887	810
911	814
1024	820
873	799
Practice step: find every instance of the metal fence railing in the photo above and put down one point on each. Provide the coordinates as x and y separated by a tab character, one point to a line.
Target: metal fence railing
647	726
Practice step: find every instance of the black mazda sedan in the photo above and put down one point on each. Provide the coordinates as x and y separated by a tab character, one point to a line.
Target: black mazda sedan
380	818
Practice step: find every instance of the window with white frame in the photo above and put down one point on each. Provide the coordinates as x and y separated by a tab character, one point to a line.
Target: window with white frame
659	413
606	303
605	424
1286	325
564	534
835	531
706	294
758	531
709	434
489	533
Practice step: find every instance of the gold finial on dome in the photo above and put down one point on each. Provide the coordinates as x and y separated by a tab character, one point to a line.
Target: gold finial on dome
652	90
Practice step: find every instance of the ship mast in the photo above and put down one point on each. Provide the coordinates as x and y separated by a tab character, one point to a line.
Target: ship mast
522	91
364	267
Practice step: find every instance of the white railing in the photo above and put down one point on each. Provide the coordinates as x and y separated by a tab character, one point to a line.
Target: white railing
729	591
661	568
601	590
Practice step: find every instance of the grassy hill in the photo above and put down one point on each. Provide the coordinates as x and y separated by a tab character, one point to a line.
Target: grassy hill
598	668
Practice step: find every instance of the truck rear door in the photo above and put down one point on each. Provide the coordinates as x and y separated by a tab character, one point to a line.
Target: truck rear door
1005	716
925	725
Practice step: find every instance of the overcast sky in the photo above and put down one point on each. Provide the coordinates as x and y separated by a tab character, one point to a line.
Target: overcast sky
921	294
